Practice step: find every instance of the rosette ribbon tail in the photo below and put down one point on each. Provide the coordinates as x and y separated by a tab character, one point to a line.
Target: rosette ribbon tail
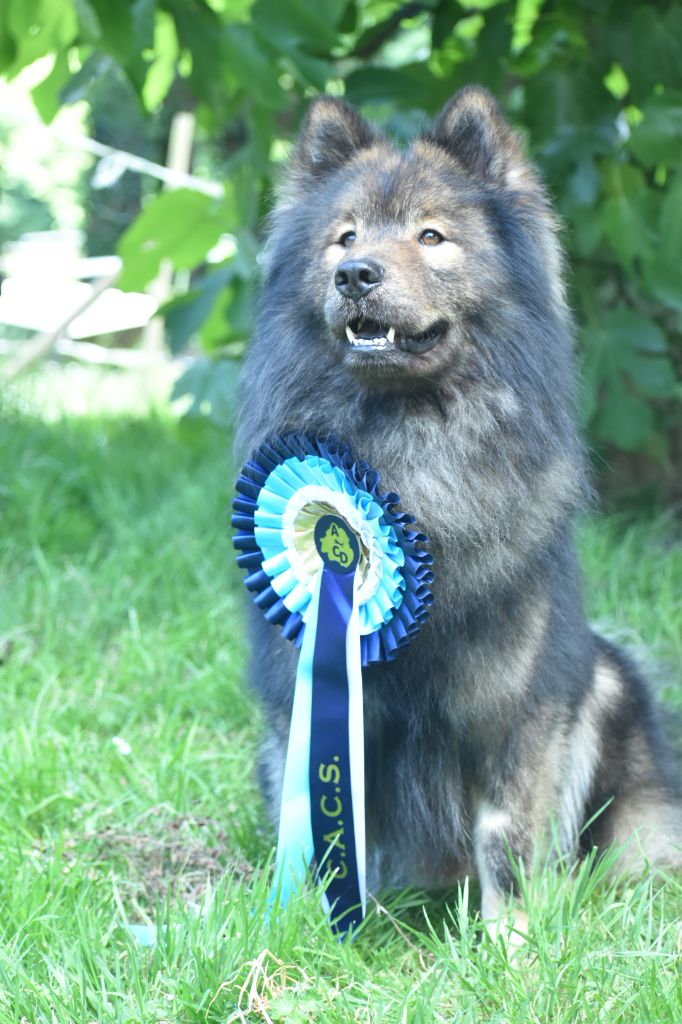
322	814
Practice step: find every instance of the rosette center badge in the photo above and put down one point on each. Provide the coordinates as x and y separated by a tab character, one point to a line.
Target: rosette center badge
338	567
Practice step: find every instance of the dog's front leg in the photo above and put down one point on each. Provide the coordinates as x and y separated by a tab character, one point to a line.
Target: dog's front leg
499	840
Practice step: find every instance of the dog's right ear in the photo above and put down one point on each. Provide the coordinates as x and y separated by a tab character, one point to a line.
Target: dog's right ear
331	133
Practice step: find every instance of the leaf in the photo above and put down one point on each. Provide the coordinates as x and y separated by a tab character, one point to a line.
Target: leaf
412	85
299	22
127	34
212	387
624	419
47	96
627	229
664	283
658	138
591	377
309	70
445	18
39	28
88	22
671	223
248	62
652	376
185	315
525	16
635	331
178	225
161	72
624	364
654	38
584	182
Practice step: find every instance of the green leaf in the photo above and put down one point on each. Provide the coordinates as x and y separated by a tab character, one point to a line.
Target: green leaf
307	71
664	283
299	22
584	182
178	225
445	18
652	376
47	96
412	85
161	72
90	28
671	222
525	16
616	81
658	138
624	419
591	377
634	330
127	33
653	38
39	28
482	5
185	315
212	387
248	62
627	229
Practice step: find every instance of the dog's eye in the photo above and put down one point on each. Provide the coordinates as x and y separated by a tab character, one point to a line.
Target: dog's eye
430	237
347	238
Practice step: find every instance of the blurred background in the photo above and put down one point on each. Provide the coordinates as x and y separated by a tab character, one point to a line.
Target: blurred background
141	143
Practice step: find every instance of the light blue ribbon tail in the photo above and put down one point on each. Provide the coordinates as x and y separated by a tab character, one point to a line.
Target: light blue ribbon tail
356	740
295	848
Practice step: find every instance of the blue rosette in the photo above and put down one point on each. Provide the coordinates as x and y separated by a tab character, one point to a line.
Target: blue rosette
334	563
307	476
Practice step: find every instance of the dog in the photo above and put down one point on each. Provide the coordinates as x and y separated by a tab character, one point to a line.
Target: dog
412	305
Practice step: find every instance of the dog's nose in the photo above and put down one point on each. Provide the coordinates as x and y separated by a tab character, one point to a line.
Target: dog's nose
355	278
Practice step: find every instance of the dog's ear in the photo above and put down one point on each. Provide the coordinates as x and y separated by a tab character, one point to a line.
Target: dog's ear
472	128
331	133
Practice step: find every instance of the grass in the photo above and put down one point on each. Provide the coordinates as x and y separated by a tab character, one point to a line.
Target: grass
127	745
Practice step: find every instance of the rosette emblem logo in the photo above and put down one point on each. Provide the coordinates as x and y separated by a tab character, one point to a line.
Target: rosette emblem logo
336	543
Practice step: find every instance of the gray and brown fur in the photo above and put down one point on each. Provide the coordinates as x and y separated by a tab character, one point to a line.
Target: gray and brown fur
507	712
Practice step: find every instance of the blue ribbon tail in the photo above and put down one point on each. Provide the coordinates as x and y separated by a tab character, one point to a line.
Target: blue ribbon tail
337	752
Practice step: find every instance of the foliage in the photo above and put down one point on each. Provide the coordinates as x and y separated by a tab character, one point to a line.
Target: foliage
128	743
597	87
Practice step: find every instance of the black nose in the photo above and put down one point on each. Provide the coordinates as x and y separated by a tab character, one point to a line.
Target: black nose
355	278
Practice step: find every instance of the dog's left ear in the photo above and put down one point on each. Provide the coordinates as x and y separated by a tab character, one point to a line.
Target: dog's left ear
472	128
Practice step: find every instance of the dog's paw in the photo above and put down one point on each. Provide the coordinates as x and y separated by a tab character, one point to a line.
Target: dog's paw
511	928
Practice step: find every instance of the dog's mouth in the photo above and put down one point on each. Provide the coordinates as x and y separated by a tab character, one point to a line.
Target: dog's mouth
370	336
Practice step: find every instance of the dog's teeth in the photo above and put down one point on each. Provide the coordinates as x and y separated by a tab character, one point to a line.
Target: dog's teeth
350	334
391	335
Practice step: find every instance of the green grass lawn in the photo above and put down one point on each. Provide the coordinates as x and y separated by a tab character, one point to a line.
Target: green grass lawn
127	744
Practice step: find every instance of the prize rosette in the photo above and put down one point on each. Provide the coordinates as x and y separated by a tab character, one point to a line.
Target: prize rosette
337	565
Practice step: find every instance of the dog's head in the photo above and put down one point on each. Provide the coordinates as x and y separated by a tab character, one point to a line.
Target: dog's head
396	257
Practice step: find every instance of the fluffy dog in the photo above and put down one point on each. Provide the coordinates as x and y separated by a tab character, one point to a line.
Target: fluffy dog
413	306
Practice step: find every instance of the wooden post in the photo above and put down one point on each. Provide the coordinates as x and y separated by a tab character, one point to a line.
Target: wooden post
179	158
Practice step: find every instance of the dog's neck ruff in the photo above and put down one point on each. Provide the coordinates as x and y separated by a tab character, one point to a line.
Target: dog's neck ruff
334	563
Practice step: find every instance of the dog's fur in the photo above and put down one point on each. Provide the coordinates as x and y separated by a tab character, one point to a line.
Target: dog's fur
507	712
